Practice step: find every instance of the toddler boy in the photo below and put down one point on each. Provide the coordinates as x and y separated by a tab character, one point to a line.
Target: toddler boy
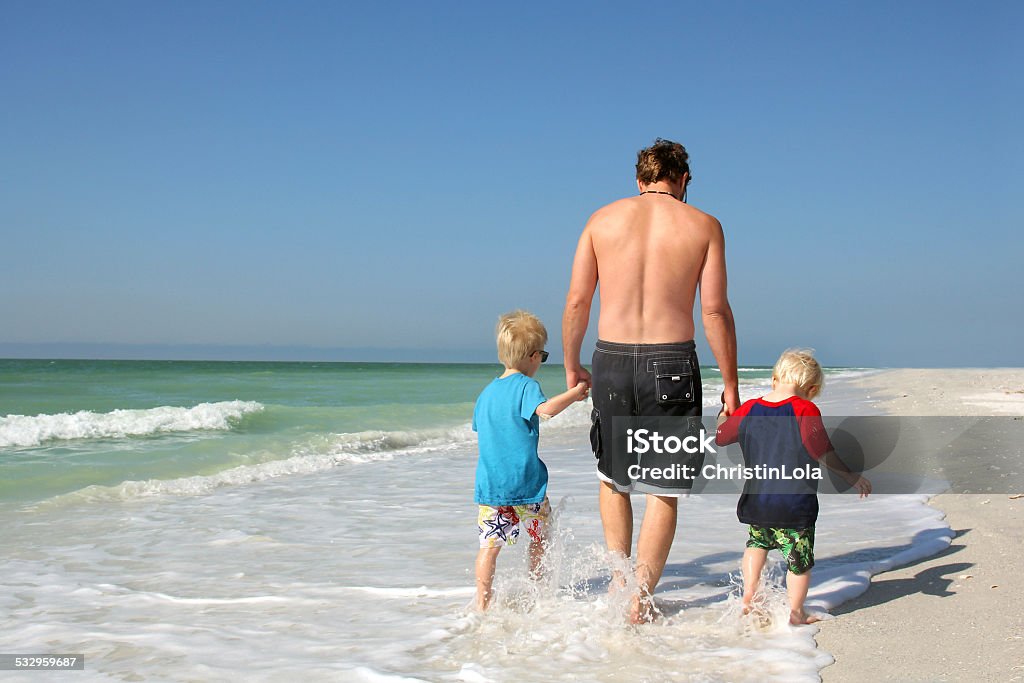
786	434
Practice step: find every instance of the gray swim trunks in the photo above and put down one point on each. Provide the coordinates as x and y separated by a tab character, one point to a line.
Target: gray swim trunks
637	386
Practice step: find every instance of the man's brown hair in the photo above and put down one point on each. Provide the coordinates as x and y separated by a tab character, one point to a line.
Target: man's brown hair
664	160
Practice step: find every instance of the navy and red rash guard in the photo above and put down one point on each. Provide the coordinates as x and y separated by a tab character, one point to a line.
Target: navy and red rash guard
790	435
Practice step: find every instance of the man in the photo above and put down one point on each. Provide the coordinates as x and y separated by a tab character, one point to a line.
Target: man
651	253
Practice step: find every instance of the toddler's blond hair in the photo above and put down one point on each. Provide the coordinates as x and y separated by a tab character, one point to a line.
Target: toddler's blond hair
519	334
799	367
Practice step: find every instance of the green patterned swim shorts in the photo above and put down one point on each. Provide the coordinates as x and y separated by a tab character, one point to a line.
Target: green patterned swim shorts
797	545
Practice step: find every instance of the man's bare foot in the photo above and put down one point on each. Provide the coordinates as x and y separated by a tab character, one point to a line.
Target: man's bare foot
799	618
641	610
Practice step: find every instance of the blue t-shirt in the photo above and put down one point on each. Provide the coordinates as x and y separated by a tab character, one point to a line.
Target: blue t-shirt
509	471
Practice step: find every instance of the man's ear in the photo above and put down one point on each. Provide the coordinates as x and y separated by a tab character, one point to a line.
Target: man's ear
639	186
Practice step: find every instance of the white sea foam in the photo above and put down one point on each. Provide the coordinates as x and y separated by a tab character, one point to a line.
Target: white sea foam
22	431
363	573
317	454
202	484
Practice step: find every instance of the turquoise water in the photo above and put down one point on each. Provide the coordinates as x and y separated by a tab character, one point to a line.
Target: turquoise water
102	423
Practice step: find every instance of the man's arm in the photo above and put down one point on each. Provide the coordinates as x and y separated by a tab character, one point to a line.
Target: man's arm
716	313
582	285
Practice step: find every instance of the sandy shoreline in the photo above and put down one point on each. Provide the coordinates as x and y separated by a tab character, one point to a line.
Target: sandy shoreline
958	615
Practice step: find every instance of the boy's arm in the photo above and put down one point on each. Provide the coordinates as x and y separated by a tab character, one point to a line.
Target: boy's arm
857	481
553	406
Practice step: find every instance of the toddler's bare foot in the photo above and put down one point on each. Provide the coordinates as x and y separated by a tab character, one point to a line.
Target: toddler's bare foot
800	617
759	617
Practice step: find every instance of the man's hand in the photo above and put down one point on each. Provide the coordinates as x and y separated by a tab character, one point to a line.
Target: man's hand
730	402
575	376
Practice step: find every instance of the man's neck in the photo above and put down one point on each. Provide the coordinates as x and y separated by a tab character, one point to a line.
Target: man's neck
662	187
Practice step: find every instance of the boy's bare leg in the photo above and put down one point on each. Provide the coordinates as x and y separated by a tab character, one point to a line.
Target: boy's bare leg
796	589
652	547
537	558
617	520
486	560
753	565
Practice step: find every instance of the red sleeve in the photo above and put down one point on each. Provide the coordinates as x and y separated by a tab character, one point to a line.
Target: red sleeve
729	432
812	430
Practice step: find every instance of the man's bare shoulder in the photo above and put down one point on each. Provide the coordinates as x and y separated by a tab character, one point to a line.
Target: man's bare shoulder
622	211
613	210
703	215
705	219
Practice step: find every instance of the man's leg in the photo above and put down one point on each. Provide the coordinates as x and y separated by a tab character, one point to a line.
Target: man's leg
617	520
656	534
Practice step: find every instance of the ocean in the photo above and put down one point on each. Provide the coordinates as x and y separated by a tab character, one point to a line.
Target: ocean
183	521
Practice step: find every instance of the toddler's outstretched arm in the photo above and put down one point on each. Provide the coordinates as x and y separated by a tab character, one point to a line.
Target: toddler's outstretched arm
857	481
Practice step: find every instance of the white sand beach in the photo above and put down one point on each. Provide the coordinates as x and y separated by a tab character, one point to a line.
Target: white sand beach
958	615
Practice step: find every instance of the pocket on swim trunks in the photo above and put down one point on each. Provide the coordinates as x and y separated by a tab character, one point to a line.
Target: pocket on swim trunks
595	432
673	381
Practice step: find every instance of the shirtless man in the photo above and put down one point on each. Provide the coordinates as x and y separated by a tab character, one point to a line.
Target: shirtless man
651	253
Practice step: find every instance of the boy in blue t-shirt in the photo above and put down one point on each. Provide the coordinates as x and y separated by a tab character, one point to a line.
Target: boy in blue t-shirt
511	480
781	514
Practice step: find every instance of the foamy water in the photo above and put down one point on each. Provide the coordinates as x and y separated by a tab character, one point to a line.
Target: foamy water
19	431
348	556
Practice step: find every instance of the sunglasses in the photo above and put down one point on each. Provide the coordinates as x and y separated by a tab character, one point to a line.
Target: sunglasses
543	356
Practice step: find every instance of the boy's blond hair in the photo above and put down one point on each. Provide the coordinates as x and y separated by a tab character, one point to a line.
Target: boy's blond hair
799	367
519	333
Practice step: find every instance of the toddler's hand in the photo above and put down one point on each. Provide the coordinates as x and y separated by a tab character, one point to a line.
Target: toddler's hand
863	486
582	390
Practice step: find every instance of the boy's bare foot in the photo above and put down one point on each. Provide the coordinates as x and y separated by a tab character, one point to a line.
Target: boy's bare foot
799	618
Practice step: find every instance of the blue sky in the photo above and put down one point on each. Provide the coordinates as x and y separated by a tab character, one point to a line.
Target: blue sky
381	180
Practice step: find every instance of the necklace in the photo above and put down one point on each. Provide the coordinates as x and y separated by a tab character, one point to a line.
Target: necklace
659	192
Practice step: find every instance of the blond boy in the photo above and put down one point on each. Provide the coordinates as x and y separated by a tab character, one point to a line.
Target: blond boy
511	479
793	438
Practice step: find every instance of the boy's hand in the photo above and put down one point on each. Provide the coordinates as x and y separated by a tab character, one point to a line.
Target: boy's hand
582	389
862	485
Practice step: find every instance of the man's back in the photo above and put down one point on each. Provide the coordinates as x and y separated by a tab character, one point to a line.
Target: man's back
650	251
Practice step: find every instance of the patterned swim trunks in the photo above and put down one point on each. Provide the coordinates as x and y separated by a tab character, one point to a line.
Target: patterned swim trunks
797	545
498	526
